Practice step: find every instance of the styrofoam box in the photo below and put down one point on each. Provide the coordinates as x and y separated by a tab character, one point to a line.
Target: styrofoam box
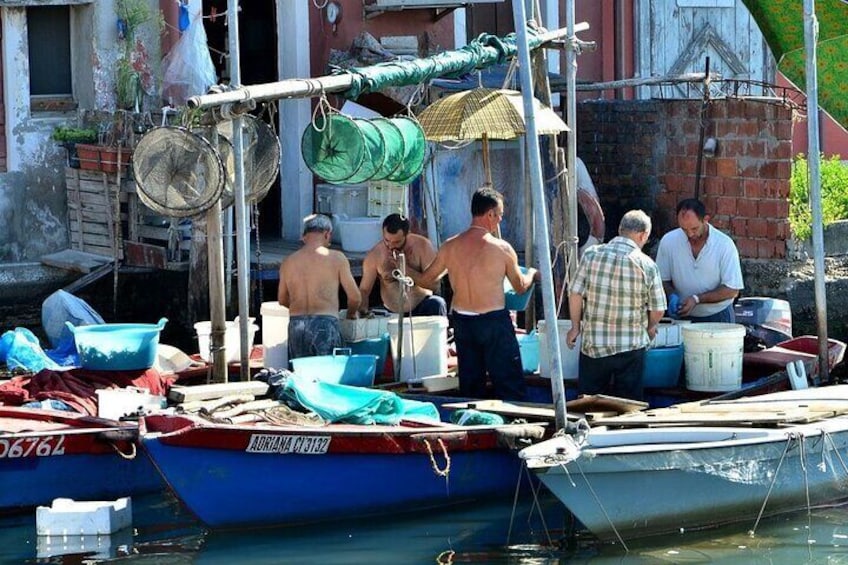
70	517
349	199
386	197
363	328
669	333
115	403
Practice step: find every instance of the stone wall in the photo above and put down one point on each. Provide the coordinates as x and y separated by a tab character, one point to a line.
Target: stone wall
644	154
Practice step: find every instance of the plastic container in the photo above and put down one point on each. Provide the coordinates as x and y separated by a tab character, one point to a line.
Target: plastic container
360	234
117	347
662	367
669	333
713	355
570	358
341	200
275	334
378	346
353	370
371	327
425	346
528	346
513	300
232	339
386	197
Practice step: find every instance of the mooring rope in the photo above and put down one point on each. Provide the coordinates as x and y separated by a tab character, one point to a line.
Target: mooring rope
128	457
600	505
440	472
789	439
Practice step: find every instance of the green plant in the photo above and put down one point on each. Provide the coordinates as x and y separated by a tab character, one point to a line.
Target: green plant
67	134
834	195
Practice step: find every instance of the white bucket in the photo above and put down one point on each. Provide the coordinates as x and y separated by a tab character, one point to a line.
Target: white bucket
232	339
712	354
275	334
570	358
425	346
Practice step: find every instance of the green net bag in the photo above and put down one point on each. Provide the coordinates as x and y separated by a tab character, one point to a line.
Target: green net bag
394	149
415	147
333	147
375	151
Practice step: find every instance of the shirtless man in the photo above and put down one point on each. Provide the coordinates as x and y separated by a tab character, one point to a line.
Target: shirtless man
476	262
382	262
309	288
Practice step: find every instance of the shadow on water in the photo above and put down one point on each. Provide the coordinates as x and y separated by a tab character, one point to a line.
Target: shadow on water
491	533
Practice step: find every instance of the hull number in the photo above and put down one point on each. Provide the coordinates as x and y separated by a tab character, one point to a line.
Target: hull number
32	447
269	443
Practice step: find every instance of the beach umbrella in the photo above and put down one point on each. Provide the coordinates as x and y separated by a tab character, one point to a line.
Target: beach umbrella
782	25
484	114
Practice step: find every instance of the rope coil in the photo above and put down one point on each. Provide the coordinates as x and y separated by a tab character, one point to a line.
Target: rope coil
440	472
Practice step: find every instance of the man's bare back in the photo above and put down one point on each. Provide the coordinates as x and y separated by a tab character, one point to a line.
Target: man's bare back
310	280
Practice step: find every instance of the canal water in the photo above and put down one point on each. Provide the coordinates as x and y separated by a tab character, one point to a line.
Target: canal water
528	533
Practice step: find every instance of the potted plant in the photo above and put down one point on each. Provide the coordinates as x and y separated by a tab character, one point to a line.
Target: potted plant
69	136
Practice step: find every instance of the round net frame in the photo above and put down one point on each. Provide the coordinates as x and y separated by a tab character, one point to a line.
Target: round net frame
226	152
332	147
178	174
261	154
414	150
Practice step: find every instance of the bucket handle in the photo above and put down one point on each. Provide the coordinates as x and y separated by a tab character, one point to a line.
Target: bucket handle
343	351
72	328
161	323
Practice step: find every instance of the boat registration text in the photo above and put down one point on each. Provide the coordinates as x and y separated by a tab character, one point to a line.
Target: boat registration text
32	447
269	443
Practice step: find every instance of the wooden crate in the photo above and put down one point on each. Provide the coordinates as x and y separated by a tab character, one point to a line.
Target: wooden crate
150	245
94	213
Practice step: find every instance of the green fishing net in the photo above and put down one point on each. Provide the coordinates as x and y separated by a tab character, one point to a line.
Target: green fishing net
333	147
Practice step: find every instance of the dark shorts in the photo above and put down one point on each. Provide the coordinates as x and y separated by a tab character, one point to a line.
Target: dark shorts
433	305
617	375
486	344
313	335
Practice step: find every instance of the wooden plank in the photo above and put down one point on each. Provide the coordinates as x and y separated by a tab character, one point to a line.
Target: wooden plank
145	255
504	409
74	260
179	393
84	281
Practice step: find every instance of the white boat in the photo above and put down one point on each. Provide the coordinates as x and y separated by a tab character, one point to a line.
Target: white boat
702	464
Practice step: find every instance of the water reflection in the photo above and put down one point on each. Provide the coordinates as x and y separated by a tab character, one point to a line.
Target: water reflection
493	533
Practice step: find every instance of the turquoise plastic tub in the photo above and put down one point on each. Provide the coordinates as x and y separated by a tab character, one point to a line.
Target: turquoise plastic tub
662	367
117	347
513	300
353	370
378	346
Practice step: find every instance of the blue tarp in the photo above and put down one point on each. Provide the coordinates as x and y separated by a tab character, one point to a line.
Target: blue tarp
354	405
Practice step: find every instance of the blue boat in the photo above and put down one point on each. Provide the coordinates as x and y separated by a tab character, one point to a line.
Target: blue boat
241	475
47	454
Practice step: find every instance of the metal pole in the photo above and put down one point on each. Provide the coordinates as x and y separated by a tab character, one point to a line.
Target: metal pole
571	142
543	250
242	227
811	32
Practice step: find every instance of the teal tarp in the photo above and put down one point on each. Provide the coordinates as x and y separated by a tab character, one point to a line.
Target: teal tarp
354	405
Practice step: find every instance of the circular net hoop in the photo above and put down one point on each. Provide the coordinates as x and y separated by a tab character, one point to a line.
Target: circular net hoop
333	147
227	156
394	147
414	150
375	151
262	162
179	174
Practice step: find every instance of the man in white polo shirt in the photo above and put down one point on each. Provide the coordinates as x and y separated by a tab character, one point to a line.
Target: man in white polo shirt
701	265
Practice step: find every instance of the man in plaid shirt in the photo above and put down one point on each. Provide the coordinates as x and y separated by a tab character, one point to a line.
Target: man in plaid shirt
615	302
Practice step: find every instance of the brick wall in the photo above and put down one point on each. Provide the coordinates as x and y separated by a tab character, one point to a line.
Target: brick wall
643	154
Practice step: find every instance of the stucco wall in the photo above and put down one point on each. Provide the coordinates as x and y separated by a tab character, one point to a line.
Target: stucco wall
32	192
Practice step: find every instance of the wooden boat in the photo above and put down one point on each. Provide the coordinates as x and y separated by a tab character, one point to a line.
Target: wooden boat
701	464
46	454
235	475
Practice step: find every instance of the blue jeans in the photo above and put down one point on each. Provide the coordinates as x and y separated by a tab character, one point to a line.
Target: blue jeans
433	305
726	315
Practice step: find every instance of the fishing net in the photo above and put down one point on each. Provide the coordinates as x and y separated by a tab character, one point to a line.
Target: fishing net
262	162
179	174
414	149
333	147
393	151
227	155
375	156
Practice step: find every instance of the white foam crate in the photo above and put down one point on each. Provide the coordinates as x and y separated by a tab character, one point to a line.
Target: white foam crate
669	333
386	197
70	517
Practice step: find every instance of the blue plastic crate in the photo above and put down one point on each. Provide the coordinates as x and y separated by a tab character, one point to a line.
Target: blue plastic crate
662	367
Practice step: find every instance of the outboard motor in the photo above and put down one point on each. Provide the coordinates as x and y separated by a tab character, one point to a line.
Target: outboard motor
767	321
